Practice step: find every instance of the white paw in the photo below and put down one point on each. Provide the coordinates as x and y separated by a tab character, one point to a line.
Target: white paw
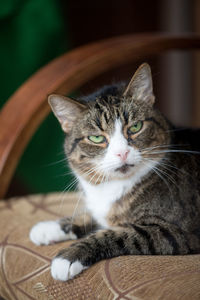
48	232
62	269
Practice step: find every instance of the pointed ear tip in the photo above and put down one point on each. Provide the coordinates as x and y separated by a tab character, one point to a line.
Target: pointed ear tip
145	66
53	99
50	100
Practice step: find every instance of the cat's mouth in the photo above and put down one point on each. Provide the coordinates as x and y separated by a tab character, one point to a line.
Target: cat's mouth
124	169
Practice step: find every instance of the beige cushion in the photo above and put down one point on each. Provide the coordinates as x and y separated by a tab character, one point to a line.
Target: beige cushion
24	267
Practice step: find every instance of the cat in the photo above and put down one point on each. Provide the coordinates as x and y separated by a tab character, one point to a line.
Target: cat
139	174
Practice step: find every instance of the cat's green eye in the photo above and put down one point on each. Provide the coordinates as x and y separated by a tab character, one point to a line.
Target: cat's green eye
136	127
97	139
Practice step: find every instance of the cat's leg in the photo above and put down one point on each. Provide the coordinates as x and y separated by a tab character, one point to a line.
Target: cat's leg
49	232
139	240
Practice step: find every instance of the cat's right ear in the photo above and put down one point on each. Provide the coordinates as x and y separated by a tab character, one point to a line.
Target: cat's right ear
66	110
140	87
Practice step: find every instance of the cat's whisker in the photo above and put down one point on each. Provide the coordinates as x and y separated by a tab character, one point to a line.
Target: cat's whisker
98	178
95	174
93	169
102	168
175	151
173	167
90	171
166	166
72	184
57	162
103	177
83	170
66	174
158	146
170	167
76	206
162	178
62	196
167	146
85	225
165	173
175	130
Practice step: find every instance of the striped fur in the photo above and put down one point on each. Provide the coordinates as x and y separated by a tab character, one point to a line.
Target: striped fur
154	213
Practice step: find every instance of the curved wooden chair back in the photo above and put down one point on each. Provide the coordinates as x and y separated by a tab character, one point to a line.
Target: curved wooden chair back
27	108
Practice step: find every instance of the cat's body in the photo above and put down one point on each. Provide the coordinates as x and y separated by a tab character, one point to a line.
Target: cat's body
140	177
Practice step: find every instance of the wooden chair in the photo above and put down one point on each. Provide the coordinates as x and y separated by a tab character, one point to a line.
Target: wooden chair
24	267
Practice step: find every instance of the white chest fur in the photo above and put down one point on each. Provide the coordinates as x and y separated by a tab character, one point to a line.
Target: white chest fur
99	198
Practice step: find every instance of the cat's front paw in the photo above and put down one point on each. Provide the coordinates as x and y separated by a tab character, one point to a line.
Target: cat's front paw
49	232
63	269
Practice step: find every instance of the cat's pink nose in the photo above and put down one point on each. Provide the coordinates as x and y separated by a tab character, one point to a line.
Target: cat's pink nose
123	155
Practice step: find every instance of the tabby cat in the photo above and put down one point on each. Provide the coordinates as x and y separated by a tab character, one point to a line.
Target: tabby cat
139	174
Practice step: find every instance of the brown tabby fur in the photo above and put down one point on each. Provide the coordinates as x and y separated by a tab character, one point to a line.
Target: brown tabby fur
161	214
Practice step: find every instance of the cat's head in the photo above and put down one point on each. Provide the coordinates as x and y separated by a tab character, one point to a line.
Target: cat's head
117	133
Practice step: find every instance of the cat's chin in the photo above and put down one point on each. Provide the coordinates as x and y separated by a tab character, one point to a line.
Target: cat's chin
125	169
124	172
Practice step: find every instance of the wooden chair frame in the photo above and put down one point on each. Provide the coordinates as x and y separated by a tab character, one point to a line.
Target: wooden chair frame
27	108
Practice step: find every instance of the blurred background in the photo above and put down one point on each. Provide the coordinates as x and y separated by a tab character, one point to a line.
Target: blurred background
33	32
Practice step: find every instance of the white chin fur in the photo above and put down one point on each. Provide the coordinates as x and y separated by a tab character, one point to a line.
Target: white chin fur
99	198
62	269
49	232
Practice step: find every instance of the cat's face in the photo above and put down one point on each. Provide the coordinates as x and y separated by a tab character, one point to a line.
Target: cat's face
112	137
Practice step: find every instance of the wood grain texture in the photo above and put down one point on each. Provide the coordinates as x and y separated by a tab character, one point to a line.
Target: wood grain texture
26	109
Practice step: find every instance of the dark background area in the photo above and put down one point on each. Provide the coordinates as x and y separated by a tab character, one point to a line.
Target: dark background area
96	20
33	32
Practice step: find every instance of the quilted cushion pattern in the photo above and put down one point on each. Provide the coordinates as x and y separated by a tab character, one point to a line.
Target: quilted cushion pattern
24	267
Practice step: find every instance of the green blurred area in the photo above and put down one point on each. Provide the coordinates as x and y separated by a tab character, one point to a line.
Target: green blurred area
33	32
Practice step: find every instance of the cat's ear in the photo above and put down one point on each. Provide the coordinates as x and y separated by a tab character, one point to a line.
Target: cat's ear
66	110
140	86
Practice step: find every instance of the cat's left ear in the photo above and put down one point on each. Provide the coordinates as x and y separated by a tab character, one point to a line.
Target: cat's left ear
66	110
140	86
